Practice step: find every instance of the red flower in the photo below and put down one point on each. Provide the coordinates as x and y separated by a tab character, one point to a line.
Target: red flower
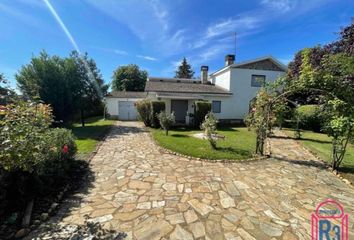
65	149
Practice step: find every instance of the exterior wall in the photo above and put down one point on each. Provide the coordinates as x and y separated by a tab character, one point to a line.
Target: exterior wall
222	79
113	105
243	91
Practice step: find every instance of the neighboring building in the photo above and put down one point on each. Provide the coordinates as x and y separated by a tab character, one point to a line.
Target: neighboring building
229	89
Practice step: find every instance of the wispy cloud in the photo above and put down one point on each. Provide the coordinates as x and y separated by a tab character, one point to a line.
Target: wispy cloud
230	25
147	57
279	5
111	50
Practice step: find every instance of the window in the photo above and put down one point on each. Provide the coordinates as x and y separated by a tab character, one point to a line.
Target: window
258	80
216	106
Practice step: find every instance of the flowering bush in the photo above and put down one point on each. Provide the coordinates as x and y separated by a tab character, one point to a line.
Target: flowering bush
209	127
23	136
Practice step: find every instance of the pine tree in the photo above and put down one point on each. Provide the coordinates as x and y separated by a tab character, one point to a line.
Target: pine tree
184	70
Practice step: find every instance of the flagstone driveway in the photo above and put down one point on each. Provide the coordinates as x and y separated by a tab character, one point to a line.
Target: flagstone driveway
150	194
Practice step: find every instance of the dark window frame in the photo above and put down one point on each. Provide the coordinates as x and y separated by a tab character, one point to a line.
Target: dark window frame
212	106
255	83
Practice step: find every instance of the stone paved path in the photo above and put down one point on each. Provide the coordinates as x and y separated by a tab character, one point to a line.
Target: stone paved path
154	195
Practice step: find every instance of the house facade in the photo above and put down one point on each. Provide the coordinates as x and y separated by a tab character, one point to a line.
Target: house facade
229	90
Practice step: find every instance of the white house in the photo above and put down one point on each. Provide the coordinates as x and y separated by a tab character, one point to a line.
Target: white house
229	89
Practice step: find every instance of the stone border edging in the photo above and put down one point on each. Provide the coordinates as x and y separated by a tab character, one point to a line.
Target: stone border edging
326	164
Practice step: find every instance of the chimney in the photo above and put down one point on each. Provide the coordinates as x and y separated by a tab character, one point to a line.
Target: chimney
229	59
204	74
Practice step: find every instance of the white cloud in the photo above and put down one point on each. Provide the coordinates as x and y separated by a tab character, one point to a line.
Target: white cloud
279	5
231	25
147	57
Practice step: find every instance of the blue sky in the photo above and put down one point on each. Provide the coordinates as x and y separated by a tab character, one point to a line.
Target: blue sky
156	34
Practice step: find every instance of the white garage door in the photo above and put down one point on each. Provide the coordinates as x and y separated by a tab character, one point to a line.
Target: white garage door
127	110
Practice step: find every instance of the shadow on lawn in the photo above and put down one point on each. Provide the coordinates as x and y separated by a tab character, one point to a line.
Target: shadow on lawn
179	135
303	139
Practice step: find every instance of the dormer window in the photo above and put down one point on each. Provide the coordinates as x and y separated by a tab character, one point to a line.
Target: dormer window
258	80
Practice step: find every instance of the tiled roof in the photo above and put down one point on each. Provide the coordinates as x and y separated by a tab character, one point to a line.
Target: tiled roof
184	87
124	94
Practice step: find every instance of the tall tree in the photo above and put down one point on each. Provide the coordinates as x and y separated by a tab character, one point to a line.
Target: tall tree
6	93
64	83
129	78
184	70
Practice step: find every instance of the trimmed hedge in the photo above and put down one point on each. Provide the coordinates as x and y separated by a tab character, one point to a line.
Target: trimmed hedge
144	110
156	108
310	117
200	110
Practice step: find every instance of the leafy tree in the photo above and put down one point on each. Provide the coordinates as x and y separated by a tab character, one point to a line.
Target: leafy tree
92	87
6	93
129	78
184	70
67	84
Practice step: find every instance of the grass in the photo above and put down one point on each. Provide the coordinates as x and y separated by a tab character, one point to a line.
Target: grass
321	145
87	137
239	143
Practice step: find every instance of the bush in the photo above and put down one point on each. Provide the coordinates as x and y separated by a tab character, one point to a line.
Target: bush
34	159
200	111
156	108
310	117
209	127
23	136
166	120
144	110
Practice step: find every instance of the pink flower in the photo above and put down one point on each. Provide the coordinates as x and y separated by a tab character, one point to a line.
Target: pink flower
65	149
254	109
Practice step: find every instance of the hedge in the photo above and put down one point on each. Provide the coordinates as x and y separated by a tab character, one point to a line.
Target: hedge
310	117
156	108
144	110
200	110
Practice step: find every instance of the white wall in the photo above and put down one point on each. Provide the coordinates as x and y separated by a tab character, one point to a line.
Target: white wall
242	89
222	79
113	106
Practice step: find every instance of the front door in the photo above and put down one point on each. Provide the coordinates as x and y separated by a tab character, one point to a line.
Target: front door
180	108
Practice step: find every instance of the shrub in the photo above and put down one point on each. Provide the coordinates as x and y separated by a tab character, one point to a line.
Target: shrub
200	111
60	151
209	127
156	108
166	120
144	110
33	157
310	117
22	136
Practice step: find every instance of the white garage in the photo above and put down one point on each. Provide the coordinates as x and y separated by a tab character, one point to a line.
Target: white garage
121	105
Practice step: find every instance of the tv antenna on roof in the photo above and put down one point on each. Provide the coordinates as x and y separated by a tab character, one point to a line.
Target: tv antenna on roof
235	43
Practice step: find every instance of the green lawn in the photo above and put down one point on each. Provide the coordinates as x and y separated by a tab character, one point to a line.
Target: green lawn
321	144
239	143
87	137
